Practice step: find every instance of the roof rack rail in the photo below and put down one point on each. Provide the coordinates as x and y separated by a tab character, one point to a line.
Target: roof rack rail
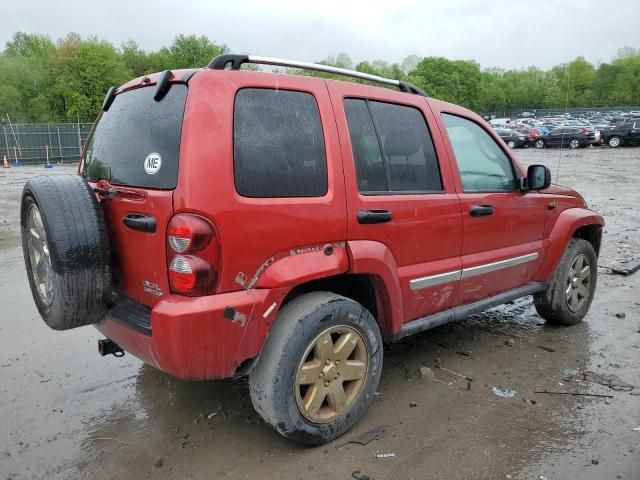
221	62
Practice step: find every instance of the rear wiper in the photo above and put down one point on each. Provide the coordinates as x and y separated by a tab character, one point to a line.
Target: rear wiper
113	192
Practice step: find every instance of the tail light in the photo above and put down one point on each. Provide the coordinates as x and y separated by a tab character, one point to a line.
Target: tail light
193	255
585	132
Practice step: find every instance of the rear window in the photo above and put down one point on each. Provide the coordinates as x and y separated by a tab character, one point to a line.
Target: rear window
137	141
278	146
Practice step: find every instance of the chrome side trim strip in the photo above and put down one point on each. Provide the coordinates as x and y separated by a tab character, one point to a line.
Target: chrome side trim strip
439	279
492	267
432	280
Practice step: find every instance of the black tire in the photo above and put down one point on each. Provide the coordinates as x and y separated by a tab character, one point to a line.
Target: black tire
78	250
539	143
614	142
511	144
574	143
552	304
272	382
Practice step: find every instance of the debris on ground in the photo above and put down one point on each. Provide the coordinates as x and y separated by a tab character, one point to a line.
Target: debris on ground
365	438
611	381
464	353
385	455
211	415
359	475
546	349
637	429
620	315
469	379
159	462
575	394
509	342
429	375
413	405
503	393
627	268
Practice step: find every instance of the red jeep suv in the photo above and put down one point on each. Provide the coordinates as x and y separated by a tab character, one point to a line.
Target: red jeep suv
229	222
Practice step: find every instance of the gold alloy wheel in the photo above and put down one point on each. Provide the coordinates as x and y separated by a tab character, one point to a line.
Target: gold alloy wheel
331	374
39	257
578	283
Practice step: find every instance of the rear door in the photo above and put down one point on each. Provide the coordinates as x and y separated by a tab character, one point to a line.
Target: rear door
503	228
132	156
398	192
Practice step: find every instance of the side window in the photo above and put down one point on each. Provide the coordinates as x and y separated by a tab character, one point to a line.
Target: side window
392	147
370	168
278	146
483	165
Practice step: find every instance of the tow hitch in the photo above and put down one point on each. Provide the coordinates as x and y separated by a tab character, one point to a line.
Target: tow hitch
109	347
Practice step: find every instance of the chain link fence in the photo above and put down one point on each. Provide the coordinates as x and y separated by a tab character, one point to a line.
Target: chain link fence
33	143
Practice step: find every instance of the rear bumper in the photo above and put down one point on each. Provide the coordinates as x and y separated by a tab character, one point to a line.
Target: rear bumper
198	338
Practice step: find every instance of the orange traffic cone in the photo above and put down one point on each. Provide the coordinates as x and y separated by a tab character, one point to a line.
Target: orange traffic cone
5	163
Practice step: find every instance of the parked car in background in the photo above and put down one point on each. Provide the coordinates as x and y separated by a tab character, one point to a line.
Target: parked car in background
572	137
634	114
499	122
514	138
527	115
624	134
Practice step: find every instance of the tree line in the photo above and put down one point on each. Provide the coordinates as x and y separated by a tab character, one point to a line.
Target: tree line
43	81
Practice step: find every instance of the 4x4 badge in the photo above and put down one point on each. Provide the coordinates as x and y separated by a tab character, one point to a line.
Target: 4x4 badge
152	163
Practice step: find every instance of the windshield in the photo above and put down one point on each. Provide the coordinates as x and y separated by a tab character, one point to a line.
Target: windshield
137	141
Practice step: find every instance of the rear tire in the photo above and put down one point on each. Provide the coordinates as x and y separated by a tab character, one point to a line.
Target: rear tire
304	396
66	250
574	143
511	144
569	295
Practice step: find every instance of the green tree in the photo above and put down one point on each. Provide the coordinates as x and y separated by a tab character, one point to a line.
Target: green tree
84	70
191	51
30	45
456	81
136	60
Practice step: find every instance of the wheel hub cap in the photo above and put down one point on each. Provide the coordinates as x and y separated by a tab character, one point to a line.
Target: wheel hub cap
39	257
578	283
331	374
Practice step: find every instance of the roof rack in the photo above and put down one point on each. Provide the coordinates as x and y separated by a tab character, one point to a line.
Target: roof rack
221	62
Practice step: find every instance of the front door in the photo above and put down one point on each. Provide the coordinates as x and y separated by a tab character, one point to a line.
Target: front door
503	227
398	194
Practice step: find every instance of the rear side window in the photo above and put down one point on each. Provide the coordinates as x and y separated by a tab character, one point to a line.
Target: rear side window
137	141
392	148
278	147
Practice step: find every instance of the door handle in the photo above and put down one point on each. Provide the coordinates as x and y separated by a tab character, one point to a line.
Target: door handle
481	210
374	216
140	222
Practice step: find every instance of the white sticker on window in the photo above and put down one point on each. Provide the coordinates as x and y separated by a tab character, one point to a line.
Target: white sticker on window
152	163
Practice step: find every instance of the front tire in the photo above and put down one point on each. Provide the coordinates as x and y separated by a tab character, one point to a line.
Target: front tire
615	142
569	295
319	368
539	143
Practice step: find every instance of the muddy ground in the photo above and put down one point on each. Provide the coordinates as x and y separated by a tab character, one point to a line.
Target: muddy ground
67	413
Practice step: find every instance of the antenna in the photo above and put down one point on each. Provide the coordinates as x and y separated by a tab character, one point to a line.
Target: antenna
566	110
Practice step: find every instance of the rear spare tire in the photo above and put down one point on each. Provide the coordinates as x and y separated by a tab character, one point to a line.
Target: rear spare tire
66	250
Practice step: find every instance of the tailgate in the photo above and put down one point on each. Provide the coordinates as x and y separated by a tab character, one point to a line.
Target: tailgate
132	156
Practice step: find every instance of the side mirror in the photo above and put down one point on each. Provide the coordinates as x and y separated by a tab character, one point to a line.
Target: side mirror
538	177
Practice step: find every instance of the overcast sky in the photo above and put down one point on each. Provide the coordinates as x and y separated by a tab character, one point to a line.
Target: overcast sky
503	33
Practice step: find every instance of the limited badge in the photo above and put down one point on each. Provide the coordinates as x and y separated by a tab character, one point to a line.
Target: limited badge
152	163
